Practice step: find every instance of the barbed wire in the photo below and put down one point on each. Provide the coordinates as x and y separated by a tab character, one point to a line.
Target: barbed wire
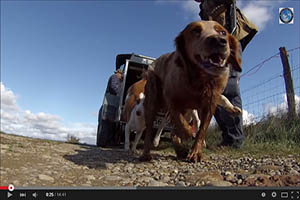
279	75
262	99
267	98
258	66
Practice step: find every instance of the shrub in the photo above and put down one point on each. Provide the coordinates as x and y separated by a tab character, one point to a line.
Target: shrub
72	139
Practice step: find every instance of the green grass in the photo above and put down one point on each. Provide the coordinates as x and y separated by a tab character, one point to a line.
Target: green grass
274	136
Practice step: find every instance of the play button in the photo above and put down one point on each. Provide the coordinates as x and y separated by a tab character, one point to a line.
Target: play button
9	194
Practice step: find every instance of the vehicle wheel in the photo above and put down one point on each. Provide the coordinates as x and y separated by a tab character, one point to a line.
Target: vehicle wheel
103	133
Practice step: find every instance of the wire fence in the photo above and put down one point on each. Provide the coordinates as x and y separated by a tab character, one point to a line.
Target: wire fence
268	97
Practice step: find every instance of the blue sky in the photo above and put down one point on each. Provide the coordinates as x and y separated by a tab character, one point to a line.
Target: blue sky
56	56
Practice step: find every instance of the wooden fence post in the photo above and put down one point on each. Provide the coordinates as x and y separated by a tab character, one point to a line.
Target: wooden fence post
289	87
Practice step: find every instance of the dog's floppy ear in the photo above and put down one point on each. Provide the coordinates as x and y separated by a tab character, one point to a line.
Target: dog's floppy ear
235	53
183	58
179	42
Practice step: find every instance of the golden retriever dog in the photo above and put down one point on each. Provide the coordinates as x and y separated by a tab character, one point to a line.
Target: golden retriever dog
194	76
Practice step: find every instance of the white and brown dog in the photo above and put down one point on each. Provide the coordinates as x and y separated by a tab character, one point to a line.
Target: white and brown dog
136	123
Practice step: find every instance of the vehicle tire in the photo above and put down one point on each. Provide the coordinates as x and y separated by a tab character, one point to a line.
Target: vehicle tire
103	133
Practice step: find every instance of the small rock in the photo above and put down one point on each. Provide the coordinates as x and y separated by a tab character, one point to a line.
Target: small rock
16	183
227	173
44	177
239	181
294	172
4	146
164	163
156	177
46	157
116	169
112	178
145	179
256	176
128	169
165	179
147	173
90	177
109	165
219	183
231	178
241	176
154	183
181	183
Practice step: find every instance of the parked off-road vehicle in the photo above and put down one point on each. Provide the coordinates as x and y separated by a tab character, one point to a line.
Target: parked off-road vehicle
111	128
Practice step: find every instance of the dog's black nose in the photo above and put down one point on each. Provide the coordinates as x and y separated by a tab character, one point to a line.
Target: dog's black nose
216	41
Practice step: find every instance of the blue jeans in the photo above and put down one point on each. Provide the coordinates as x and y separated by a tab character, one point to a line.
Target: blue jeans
231	126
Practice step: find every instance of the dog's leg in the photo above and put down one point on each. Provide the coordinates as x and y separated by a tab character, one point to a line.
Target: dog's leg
163	124
225	103
182	127
205	117
127	133
151	104
137	139
196	122
181	132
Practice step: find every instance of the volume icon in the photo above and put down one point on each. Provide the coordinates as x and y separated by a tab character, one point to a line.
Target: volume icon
35	195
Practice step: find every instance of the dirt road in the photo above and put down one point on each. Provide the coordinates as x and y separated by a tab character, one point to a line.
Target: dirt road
36	162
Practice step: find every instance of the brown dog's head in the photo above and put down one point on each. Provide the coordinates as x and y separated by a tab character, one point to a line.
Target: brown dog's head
209	46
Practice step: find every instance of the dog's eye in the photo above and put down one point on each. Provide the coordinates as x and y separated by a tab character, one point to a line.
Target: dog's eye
197	31
222	33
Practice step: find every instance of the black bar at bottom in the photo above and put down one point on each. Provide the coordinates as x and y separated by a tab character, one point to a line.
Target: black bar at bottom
152	193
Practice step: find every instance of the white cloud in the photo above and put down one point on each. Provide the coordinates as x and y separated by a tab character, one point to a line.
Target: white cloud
40	125
248	118
258	12
191	8
8	99
282	108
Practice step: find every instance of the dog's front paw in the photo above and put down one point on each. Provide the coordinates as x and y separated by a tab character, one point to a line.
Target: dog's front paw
145	158
156	142
133	151
195	156
236	110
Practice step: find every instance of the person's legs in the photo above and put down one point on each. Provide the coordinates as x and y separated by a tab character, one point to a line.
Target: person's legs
231	126
100	114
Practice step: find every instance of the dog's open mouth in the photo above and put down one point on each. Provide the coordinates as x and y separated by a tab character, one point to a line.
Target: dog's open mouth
214	60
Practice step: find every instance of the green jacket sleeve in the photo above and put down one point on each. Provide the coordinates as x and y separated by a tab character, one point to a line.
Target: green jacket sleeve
245	30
